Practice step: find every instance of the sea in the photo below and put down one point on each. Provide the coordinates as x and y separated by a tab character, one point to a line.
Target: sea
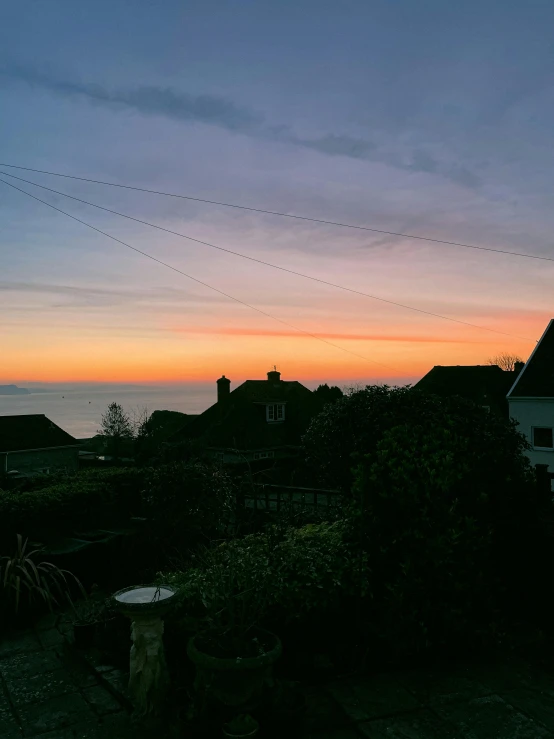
78	408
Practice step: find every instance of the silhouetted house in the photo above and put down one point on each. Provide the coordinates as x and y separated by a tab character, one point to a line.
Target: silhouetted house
32	444
485	385
531	400
258	420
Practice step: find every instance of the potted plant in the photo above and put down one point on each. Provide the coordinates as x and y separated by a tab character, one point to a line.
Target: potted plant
86	616
233	654
241	726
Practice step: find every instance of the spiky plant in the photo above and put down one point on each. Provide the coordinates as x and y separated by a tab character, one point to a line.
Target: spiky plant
24	579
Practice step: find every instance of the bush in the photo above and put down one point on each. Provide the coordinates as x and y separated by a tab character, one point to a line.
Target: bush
446	524
69	503
188	504
356	423
274	576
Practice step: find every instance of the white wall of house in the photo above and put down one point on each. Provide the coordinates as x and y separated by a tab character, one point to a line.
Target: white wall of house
530	413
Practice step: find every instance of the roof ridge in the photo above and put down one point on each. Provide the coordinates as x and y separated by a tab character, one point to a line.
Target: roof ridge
23	415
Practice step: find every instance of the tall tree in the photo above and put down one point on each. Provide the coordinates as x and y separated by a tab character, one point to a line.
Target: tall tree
328	394
116	428
505	361
139	418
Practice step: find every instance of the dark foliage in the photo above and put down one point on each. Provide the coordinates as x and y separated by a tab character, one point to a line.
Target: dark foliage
187	503
28	581
116	429
185	450
450	522
356	423
328	394
62	504
280	575
154	434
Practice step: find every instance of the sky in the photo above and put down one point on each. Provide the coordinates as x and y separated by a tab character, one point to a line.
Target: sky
414	116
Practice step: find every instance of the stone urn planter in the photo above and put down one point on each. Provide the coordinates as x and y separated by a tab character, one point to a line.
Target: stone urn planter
148	676
234	679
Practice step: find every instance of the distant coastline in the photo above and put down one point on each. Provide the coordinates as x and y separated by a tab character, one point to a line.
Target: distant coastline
13	390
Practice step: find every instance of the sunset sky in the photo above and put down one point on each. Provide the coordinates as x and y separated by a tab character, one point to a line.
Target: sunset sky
424	117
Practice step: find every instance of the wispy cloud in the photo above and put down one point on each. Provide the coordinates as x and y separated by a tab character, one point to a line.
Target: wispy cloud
41	287
108	296
150	100
223	113
398	338
333	145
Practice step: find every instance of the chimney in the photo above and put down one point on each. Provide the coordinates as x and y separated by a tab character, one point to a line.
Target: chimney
274	375
518	366
223	388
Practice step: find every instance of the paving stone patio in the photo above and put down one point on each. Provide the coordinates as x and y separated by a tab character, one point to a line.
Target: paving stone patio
477	701
48	691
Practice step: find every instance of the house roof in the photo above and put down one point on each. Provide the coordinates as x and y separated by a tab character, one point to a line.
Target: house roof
239	421
473	382
35	431
536	379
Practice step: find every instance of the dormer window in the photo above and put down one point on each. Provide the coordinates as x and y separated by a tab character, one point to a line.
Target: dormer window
275	412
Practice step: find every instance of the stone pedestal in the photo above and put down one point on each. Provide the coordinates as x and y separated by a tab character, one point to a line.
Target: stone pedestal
148	675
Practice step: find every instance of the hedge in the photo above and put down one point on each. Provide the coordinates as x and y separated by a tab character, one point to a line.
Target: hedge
71	503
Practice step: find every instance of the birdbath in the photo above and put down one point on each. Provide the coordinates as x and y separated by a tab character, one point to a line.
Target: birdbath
148	676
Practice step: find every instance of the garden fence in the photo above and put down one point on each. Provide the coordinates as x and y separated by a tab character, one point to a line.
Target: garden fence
265	497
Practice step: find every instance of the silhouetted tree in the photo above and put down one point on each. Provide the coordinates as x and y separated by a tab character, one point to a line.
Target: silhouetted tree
328	394
139	418
116	428
505	361
154	434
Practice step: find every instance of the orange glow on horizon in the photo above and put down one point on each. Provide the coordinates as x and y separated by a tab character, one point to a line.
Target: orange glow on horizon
244	356
158	349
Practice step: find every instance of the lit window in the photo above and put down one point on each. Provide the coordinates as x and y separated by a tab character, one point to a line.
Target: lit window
275	412
543	438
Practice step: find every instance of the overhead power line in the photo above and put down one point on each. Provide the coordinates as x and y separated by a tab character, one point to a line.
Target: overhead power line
200	282
284	215
261	261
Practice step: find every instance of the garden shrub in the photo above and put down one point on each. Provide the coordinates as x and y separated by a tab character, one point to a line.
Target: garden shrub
355	424
69	503
267	577
187	504
446	518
